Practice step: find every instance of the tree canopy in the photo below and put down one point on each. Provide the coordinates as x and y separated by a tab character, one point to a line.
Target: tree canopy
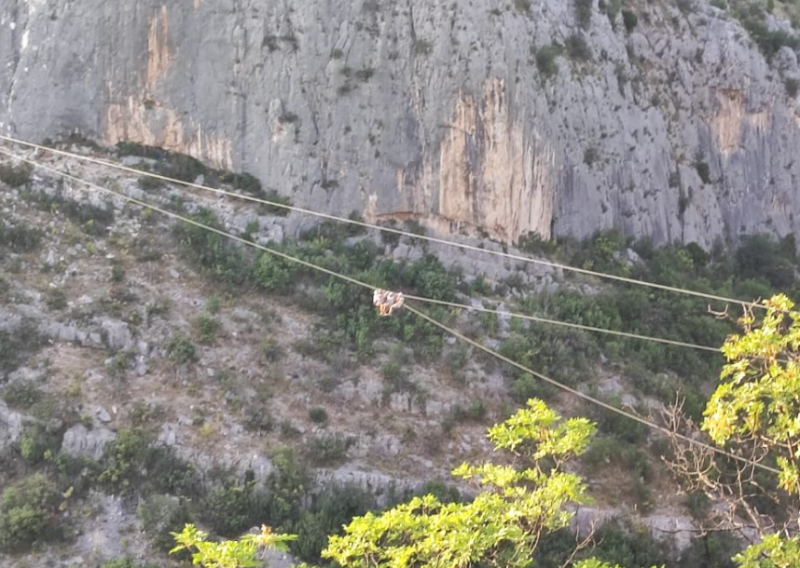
517	504
755	412
242	553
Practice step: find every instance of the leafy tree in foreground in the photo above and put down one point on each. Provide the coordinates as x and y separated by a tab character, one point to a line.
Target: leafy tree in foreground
242	553
758	405
755	414
503	525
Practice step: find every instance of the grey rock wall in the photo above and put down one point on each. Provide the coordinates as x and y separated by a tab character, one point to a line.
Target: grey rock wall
432	110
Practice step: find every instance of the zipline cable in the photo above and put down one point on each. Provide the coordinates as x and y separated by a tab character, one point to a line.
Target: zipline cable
442	326
587	397
565	324
392	230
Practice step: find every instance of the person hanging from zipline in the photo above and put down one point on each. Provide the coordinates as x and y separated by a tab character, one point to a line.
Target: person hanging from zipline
387	301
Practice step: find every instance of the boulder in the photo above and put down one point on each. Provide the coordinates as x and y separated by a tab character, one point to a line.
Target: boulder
80	441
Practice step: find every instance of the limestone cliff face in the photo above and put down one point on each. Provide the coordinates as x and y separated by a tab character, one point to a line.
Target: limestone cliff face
430	110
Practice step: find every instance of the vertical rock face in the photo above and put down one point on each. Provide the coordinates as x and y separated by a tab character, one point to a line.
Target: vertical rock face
495	172
434	111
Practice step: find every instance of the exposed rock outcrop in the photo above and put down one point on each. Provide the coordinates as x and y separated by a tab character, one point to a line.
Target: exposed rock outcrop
10	425
80	441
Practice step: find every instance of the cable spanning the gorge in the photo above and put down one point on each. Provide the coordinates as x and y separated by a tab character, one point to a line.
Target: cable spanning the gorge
522	316
443	327
385	229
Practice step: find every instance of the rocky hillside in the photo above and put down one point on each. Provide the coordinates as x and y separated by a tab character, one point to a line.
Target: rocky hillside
105	328
153	373
675	119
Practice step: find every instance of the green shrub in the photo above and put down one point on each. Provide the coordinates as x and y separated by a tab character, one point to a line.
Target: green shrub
456	359
288	486
27	511
525	387
365	74
40	442
22	394
546	60
633	309
17	346
272	273
213	305
181	349
792	86
391	371
271	349
703	170
522	6
577	48
258	419
92	220
422	47
630	20
330	511
124	458
362	255
533	243
328	450
611	9
148	183
213	254
713	550
19	238
388	238
621	542
558	353
337	231
248	183
583	13
275	197
56	299
769	41
125	148
187	168
761	256
619	426
231	509
160	515
117	273
168	473
182	167
590	156
698	505
555	546
430	278
444	492
618	542
207	329
288	430
317	415
121	362
475	412
126	562
15	176
599	251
